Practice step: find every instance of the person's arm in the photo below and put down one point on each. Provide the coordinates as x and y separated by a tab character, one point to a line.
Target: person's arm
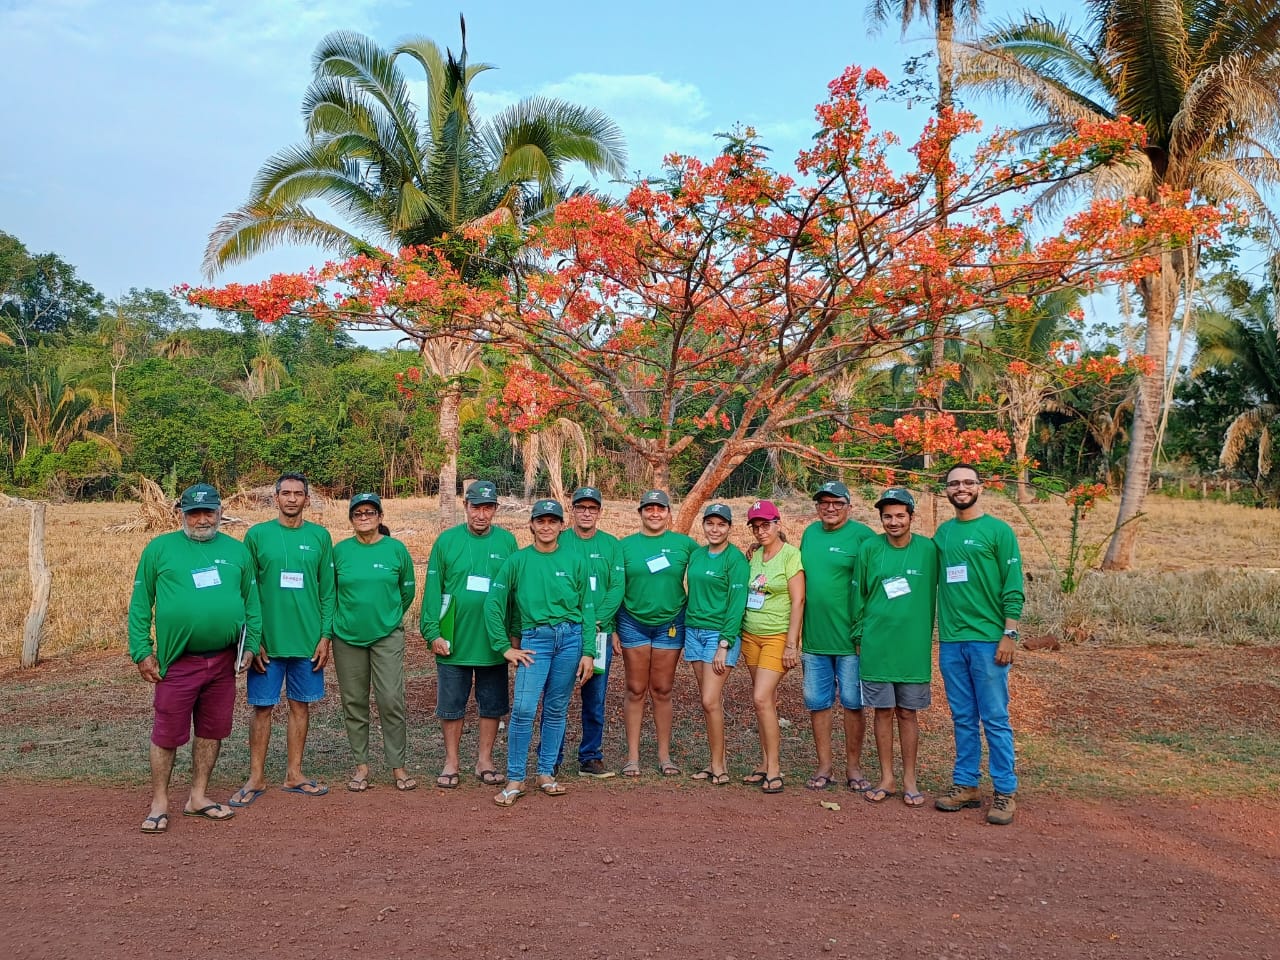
252	613
586	666
738	573
432	598
328	587
1009	556
857	602
408	579
141	649
501	589
795	590
610	598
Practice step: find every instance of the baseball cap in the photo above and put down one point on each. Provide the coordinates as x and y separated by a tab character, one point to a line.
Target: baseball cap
587	493
833	488
897	495
360	498
481	492
763	510
720	510
547	508
199	497
655	498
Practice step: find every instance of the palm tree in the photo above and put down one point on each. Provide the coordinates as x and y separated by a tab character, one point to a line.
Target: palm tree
55	412
1203	76
398	176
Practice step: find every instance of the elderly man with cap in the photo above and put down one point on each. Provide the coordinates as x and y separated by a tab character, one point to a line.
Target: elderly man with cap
460	571
829	549
895	591
604	561
197	586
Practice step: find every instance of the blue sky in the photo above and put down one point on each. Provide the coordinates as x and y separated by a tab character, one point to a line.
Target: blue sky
133	125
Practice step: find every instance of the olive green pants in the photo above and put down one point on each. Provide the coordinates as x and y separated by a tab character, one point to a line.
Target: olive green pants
383	663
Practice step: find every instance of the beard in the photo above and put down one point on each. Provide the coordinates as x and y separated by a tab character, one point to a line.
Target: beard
199	534
971	495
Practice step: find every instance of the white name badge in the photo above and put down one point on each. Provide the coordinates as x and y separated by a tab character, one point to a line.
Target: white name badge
755	600
290	580
207	577
593	583
958	574
896	587
660	562
478	584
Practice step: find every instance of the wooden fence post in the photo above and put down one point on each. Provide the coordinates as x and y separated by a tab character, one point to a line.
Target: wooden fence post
41	581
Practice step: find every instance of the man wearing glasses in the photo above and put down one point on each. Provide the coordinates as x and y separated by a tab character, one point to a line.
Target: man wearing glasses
828	551
979	604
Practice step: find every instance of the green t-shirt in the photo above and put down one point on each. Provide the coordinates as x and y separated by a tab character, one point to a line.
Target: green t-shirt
294	567
201	594
654	592
895	591
463	566
548	588
604	561
376	584
767	588
980	584
829	557
717	591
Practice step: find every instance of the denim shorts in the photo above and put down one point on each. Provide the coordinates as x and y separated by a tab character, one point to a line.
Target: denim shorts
661	636
823	673
295	674
453	689
701	645
886	695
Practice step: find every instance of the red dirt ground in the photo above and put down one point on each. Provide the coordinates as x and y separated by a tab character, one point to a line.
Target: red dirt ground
622	870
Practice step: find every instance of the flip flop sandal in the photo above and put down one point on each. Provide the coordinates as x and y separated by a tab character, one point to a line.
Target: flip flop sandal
631	769
204	813
668	769
771	785
358	784
719	779
405	784
490	778
706	774
878	795
755	777
161	822
818	783
246	797
508	798
913	799
552	788
858	784
448	781
318	790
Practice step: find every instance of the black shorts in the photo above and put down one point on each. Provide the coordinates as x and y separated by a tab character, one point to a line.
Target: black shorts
453	689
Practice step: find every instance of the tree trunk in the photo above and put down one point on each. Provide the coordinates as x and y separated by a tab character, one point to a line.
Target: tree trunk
450	404
715	473
41	580
1021	440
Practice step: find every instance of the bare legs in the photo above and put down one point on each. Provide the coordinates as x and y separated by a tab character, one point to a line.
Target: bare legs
908	737
452	730
650	673
711	686
764	689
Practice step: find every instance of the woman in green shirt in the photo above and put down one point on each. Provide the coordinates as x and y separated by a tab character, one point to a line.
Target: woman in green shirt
375	587
771	631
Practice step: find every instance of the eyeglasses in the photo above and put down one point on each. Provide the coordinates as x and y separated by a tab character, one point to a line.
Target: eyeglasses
831	504
364	514
586	508
967	484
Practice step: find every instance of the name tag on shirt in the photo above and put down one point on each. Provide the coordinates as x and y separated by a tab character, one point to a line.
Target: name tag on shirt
660	562
896	587
593	583
477	584
958	574
289	580
206	577
755	600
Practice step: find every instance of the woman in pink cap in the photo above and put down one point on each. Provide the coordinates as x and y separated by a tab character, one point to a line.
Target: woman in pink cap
771	631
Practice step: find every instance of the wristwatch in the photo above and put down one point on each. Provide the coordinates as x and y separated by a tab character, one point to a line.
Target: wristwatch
724	644
1012	635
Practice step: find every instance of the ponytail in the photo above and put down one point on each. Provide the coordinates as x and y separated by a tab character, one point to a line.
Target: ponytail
384	530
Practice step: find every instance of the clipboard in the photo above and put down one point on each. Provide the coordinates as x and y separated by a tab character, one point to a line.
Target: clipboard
244	632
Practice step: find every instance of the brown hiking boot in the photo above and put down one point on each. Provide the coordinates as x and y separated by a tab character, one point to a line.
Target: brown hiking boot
1002	807
957	798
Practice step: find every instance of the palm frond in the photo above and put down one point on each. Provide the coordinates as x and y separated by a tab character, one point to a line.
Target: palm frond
246	232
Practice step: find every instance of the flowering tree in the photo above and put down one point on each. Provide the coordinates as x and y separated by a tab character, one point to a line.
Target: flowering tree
729	305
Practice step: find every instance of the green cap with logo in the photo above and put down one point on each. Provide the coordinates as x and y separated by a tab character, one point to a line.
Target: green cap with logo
587	493
833	488
547	508
359	498
720	510
655	498
199	497
897	495
481	492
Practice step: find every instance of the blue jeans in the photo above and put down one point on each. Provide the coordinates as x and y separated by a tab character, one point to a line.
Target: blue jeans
557	650
592	745
978	692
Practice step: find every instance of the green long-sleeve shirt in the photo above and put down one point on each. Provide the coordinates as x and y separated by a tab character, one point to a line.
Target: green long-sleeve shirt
608	578
895	592
463	566
294	567
655	566
980	584
201	594
548	588
717	591
376	584
829	557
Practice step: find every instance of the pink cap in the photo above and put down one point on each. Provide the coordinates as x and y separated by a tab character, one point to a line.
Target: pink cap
763	510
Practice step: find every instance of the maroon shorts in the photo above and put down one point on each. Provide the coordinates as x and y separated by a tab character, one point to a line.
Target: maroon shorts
196	688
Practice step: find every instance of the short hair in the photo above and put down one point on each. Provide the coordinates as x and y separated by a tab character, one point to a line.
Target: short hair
911	511
302	477
962	466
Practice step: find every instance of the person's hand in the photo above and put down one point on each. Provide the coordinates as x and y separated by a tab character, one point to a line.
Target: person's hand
616	641
1004	651
149	668
586	669
245	660
751	550
440	647
261	660
324	651
521	658
720	663
790	657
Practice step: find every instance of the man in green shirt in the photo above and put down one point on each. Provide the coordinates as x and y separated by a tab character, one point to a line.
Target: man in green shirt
828	550
463	562
293	561
895	591
979	605
197	586
604	560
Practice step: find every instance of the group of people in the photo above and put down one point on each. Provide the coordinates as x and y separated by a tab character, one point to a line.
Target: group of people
856	611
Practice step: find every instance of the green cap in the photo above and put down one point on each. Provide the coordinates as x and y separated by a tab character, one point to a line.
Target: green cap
833	488
360	498
481	492
547	508
720	510
587	493
655	498
199	497
897	495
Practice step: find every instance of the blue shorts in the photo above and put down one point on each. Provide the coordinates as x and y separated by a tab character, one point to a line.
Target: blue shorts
295	674
823	672
701	646
661	636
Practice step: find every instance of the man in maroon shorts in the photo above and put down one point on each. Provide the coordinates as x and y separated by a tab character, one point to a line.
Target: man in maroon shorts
200	583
